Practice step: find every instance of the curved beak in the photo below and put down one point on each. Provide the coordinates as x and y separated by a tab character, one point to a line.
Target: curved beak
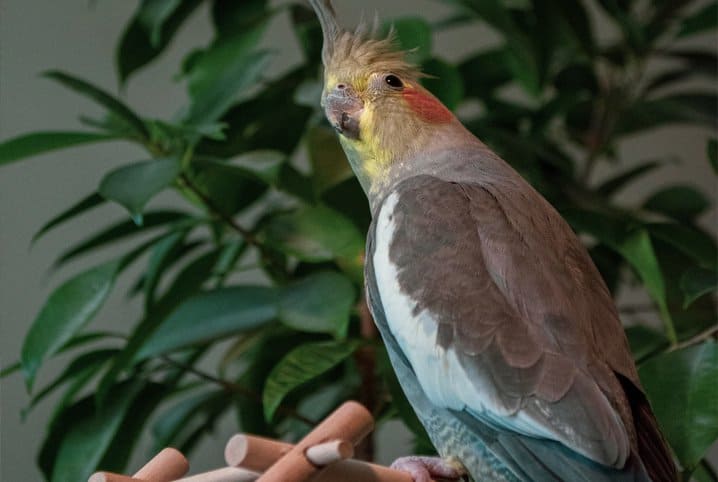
343	108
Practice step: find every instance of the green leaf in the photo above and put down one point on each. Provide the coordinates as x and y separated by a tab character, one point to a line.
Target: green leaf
612	185
210	316
314	234
265	165
484	72
68	309
301	365
134	185
712	151
103	98
645	341
177	424
321	302
413	34
29	145
679	202
119	231
80	369
163	253
149	32
689	108
329	163
84	204
691	241
10	369
638	251
445	82
697	282
229	188
701	21
682	388
188	282
223	72
78	441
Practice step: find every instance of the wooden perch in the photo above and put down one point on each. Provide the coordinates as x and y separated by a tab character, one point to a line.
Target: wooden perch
227	474
259	454
351	422
166	466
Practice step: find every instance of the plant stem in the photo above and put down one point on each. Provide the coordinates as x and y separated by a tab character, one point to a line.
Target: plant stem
702	336
236	388
366	363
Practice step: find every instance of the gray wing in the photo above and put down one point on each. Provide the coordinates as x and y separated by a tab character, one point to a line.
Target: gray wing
502	315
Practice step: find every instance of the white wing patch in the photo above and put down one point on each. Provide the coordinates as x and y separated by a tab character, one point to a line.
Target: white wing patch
440	374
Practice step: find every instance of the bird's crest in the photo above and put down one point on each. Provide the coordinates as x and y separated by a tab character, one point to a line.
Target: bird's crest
361	49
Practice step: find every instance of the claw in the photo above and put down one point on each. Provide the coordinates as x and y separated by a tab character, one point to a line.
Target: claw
424	469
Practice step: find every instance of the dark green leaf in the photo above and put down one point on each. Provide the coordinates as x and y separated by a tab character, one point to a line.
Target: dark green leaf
638	251
103	98
694	243
300	366
265	165
610	186
176	425
41	142
321	303
700	62
163	253
84	204
697	282
188	282
682	388
81	368
691	108
307	30
10	369
314	234
230	188
122	230
329	163
223	72
444	82
712	151
79	438
577	22
134	185
645	341
484	72
230	16
152	14
149	33
413	34
620	11
317	234
210	316
68	309
681	203
701	21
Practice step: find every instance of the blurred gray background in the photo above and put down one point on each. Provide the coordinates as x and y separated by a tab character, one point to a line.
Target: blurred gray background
37	35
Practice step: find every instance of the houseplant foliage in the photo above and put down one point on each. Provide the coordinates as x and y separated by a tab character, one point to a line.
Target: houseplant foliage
298	343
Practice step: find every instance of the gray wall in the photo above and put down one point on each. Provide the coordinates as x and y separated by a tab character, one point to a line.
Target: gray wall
36	35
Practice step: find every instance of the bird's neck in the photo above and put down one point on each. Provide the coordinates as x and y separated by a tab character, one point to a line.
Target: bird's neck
406	147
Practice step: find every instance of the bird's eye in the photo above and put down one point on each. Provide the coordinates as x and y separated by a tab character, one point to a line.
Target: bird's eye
393	81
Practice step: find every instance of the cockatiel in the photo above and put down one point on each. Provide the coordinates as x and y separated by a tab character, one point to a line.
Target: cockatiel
502	333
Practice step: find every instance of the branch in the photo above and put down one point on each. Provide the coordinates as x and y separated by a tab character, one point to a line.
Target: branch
702	336
236	388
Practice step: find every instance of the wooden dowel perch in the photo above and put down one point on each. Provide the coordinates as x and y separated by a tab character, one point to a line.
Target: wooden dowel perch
111	477
227	474
259	454
166	466
350	422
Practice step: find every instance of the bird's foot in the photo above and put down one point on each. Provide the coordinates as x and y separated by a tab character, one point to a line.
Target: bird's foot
424	469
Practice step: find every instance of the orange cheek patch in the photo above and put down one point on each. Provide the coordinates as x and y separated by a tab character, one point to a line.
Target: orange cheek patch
427	107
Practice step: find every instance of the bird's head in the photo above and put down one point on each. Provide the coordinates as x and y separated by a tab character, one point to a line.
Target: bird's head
374	100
